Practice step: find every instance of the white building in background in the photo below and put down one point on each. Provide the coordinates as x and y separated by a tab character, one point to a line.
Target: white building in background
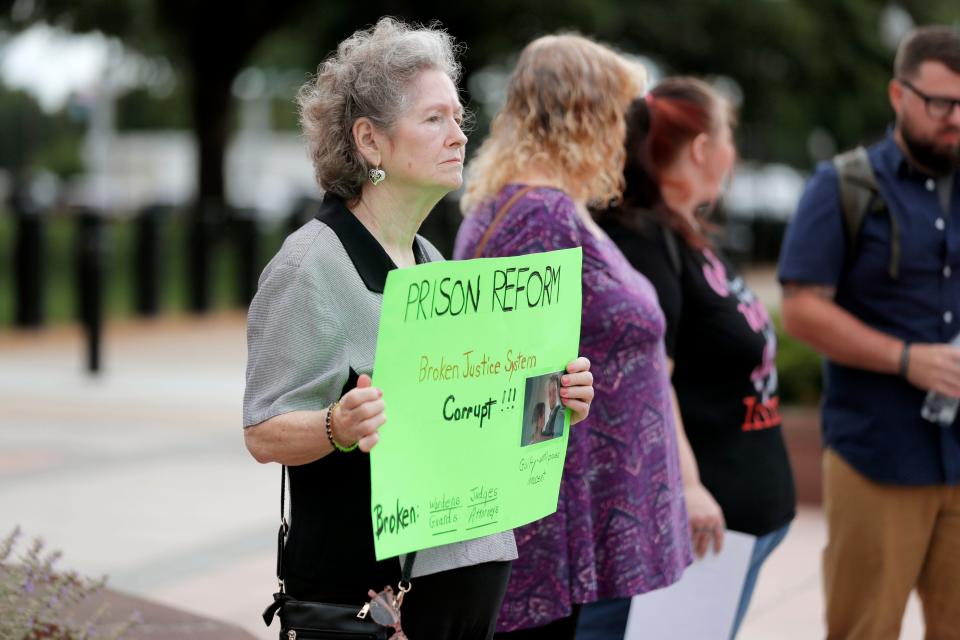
764	191
266	172
270	171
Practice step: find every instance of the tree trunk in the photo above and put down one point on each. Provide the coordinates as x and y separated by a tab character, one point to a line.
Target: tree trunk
211	106
215	53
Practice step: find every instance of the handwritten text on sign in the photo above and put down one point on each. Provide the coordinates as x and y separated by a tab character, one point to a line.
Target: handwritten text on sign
469	356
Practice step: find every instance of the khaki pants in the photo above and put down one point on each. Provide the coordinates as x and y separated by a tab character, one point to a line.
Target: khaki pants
884	540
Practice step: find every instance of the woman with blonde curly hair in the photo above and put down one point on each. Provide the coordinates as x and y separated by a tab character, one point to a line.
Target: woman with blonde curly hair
556	148
382	120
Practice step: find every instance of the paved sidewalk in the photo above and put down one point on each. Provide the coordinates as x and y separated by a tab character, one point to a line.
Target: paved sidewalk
142	474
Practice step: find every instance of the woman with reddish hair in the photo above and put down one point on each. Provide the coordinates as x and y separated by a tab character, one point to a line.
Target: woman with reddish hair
720	342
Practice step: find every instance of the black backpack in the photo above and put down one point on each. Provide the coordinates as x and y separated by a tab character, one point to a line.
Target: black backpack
859	197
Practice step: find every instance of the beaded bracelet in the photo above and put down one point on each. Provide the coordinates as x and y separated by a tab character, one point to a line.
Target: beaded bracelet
905	359
329	426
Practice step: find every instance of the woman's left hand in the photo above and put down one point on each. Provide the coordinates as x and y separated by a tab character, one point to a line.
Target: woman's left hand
576	389
705	517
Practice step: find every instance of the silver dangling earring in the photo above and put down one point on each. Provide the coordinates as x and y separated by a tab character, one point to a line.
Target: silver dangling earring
376	175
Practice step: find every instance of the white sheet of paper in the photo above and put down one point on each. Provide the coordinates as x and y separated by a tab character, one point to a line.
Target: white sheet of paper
702	604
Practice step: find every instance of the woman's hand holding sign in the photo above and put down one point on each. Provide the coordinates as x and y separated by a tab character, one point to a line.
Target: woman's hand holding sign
359	415
576	389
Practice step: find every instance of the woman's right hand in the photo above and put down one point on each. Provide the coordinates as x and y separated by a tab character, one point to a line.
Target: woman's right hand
359	416
706	519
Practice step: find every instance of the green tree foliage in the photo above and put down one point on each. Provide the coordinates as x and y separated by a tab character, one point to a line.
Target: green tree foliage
33	139
141	109
801	64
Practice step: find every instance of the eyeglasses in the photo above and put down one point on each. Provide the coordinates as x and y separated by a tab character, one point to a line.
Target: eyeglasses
938	107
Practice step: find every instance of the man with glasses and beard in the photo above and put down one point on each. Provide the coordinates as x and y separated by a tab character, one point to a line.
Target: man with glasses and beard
883	308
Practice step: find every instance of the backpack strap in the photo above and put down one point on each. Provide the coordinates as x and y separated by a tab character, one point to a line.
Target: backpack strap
860	196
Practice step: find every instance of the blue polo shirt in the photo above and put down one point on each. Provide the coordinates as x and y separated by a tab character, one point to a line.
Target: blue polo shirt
873	420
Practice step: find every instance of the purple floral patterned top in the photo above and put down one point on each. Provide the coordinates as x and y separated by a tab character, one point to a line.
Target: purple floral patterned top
621	525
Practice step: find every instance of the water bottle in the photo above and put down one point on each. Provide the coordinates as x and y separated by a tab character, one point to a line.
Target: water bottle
938	408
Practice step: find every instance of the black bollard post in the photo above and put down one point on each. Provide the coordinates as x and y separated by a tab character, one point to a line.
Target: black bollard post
246	243
91	259
29	263
147	259
200	243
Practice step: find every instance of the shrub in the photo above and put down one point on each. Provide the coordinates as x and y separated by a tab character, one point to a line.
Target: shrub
799	369
35	597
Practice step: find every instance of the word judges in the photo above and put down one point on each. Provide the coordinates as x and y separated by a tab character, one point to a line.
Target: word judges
509	289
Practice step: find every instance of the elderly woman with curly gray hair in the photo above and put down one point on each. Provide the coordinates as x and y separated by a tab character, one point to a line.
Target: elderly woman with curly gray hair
383	124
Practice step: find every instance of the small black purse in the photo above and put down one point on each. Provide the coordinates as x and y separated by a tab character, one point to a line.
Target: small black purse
378	619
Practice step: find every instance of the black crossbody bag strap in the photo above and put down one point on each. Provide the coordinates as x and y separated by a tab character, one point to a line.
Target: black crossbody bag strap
284	527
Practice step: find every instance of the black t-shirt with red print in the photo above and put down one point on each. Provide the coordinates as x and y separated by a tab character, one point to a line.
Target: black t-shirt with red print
723	346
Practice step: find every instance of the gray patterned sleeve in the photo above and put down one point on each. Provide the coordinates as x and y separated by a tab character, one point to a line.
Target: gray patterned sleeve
296	351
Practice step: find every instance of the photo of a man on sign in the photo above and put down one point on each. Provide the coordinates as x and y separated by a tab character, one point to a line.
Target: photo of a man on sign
554	423
542	410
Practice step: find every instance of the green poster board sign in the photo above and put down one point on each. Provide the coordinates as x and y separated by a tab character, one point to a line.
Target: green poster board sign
468	357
